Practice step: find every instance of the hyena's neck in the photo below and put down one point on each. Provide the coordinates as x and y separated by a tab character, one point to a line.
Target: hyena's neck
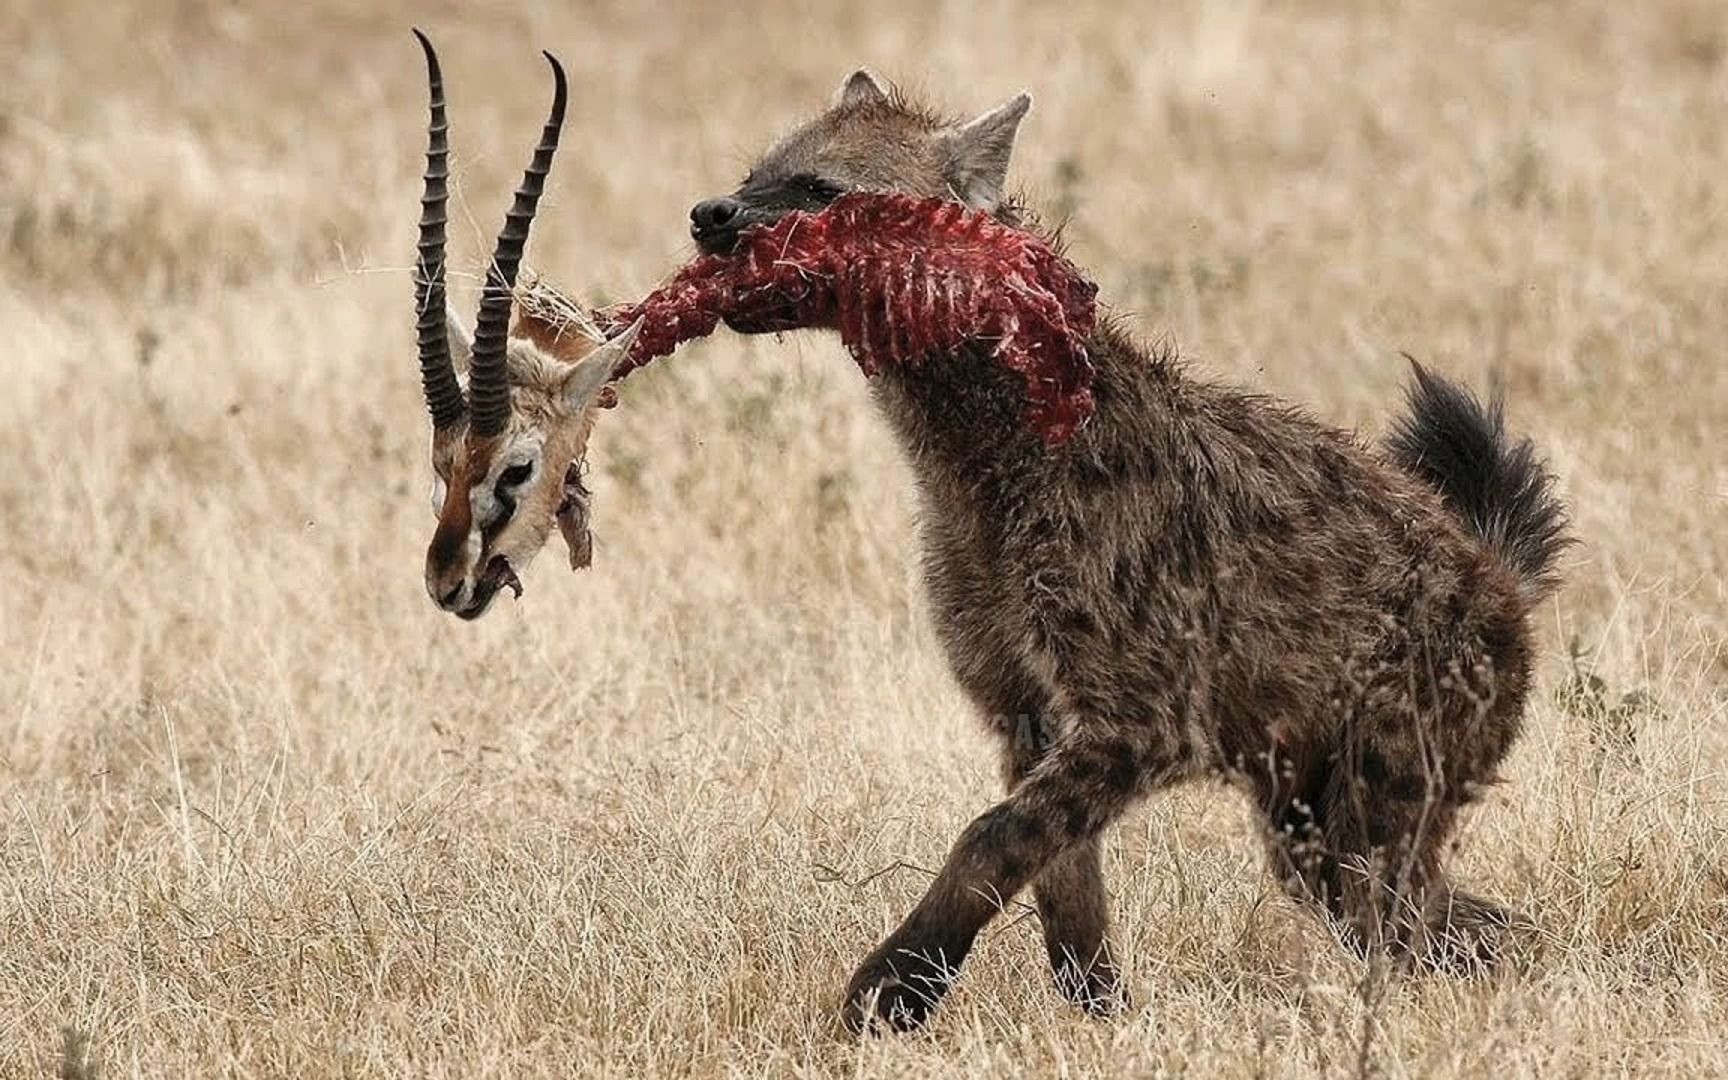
961	421
957	411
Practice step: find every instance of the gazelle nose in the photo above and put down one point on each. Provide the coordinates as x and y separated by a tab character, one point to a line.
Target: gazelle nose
450	599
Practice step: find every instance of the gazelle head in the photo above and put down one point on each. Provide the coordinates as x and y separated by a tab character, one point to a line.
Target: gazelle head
512	404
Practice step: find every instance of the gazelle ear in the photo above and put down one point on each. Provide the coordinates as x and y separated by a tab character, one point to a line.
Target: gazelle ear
860	88
978	151
585	381
461	341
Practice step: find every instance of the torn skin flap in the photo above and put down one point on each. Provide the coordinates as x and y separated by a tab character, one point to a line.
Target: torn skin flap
573	516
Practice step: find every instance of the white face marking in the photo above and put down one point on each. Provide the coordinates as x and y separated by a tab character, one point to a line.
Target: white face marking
485	506
512	473
439	492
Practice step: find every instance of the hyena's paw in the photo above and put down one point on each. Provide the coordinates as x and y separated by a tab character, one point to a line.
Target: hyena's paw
894	990
1470	936
1095	988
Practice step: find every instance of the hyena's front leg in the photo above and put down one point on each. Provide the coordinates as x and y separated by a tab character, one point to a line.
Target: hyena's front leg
1073	906
1074	909
1078	787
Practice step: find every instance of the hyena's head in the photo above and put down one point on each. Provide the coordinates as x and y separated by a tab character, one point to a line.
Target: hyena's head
869	139
512	403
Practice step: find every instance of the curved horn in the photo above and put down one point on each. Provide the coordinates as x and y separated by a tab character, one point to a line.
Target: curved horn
488	384
437	376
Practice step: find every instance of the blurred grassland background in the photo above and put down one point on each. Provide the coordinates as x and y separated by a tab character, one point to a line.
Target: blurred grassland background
264	811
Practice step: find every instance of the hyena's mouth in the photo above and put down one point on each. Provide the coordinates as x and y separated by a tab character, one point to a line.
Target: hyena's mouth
497	575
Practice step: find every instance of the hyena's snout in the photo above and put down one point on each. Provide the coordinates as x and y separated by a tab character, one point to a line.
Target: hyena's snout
715	223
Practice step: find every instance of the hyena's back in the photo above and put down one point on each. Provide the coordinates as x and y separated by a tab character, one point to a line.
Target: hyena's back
1279	560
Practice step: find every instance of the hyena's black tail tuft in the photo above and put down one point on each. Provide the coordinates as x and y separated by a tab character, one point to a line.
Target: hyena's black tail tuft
1499	487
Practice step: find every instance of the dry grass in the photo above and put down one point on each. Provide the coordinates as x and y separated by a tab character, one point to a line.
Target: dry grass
264	812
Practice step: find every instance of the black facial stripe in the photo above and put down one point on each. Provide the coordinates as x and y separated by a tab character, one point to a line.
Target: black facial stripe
510	478
506	511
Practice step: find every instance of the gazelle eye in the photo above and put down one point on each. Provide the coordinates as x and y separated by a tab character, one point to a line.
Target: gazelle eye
516	475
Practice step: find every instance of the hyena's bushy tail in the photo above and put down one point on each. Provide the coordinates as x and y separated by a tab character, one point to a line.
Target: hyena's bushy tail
1499	487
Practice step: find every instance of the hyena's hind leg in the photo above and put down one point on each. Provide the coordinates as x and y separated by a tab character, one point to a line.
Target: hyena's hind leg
1361	835
1291	793
1073	904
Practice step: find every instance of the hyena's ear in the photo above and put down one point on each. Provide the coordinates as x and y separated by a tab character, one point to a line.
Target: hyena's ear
977	153
461	342
860	88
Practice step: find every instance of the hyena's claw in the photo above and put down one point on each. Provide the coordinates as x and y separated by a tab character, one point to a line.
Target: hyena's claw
1098	993
1471	936
881	1000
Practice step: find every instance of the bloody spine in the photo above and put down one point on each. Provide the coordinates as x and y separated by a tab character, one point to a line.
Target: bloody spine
901	279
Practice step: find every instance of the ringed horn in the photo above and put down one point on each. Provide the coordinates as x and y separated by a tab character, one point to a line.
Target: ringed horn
488	382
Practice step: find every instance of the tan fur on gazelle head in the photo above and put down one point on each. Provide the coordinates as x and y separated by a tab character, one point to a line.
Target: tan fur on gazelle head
509	432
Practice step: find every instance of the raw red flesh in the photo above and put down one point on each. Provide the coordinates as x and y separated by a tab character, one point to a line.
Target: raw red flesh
901	279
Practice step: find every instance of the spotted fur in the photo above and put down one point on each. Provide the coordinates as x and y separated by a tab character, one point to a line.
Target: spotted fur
1203	582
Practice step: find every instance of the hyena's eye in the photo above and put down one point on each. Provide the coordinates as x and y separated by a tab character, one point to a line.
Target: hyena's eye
816	187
